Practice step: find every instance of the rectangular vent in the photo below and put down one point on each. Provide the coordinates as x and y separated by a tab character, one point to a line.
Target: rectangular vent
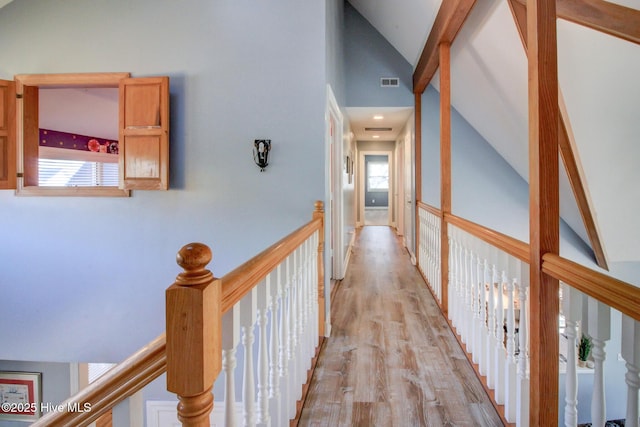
378	129
389	82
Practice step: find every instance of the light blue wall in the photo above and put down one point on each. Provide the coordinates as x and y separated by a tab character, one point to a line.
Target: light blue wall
335	34
369	56
85	277
485	188
431	147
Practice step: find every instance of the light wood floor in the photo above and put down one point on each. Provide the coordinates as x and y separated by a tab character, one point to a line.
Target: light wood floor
376	216
391	359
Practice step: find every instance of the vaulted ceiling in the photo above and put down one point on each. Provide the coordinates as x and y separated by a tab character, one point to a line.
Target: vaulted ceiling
599	82
599	77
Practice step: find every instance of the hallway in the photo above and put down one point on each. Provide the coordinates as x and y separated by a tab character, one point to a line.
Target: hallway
391	359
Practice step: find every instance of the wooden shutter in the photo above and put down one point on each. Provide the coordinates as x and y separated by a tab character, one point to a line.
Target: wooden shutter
7	135
144	133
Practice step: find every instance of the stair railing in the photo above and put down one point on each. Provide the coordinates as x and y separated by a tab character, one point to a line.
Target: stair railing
488	310
191	351
592	304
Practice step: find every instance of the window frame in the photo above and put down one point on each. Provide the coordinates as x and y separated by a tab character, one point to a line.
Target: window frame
25	149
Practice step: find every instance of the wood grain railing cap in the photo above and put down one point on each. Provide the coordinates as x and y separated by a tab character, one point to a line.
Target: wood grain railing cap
193	258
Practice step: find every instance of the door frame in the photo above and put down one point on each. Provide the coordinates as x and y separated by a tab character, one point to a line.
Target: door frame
335	165
362	181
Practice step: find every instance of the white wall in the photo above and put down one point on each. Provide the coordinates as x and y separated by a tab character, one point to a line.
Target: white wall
84	278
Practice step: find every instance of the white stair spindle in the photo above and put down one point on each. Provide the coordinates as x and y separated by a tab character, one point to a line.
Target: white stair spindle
473	304
631	355
230	341
262	414
490	279
292	338
480	321
468	310
522	411
283	332
510	370
274	374
500	349
572	309
599	329
248	314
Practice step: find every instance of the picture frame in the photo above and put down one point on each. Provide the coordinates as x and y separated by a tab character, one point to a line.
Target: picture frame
20	396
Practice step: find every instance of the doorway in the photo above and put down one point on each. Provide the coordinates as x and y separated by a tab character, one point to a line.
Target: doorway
376	189
376	193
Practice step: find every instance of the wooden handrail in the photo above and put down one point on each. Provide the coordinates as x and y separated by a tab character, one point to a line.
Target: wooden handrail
619	295
513	247
148	363
435	211
122	381
237	283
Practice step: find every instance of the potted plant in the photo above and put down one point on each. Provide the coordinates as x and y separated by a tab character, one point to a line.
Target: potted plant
584	349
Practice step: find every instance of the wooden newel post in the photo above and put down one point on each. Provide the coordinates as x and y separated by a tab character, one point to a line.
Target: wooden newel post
318	213
194	335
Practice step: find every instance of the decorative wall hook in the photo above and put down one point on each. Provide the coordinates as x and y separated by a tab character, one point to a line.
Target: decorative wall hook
261	152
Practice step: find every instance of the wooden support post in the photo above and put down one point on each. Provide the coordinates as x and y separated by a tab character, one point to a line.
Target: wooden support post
543	209
194	335
318	213
445	168
418	163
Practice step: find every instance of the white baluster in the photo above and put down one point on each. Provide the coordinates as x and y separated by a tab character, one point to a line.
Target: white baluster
453	281
631	355
274	374
292	339
522	411
438	279
468	269
500	349
283	332
248	314
299	324
314	290
489	278
263	296
572	309
478	357
230	341
599	329
510	369
262	414
229	366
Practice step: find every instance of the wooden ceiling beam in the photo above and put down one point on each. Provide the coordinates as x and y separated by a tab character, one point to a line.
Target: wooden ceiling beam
610	18
449	20
568	151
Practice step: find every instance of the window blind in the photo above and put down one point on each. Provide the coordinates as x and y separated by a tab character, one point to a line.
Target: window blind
76	173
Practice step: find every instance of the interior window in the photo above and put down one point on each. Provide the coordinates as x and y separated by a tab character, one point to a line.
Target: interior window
89	134
78	137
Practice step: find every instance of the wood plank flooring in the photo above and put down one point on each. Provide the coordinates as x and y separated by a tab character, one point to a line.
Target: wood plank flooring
391	359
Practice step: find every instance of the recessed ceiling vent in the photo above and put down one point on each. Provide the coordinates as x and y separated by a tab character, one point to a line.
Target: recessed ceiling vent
378	129
389	82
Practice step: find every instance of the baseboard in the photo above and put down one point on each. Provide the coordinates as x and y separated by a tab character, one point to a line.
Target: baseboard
164	413
349	251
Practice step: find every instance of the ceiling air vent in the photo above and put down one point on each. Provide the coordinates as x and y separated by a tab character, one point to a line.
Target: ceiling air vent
378	129
389	82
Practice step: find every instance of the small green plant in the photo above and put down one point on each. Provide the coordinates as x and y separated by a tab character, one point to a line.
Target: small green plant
584	348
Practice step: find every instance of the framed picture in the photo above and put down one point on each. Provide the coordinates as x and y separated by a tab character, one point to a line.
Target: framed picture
20	396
